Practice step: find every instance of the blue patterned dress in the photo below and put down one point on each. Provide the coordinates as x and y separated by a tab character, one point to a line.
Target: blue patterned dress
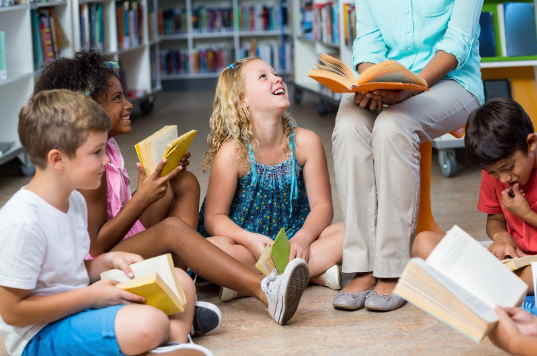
262	202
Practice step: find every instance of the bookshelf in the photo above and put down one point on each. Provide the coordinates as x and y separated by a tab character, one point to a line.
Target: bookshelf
197	39
138	58
521	71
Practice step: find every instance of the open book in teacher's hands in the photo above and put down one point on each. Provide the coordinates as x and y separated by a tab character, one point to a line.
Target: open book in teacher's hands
164	143
388	75
461	283
155	280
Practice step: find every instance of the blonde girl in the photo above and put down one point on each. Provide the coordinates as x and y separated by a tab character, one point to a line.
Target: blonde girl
266	173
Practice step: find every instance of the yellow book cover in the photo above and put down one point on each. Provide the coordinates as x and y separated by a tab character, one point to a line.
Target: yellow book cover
516	263
164	144
389	75
154	279
156	293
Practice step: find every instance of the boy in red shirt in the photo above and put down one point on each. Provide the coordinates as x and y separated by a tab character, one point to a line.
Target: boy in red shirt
501	141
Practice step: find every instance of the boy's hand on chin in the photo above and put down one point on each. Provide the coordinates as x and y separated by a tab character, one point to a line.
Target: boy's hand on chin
513	201
504	245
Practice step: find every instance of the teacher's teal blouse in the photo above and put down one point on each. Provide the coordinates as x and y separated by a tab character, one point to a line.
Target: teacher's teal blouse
412	31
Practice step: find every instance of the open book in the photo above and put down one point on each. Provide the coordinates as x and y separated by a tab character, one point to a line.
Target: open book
156	281
461	283
164	144
276	256
516	263
389	75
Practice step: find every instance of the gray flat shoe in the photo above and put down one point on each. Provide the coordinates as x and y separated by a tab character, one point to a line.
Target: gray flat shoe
350	301
383	302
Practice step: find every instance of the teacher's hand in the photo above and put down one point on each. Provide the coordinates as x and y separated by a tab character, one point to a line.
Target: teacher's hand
365	102
390	97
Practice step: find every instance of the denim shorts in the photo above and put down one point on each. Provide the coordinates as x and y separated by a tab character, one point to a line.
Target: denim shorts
90	332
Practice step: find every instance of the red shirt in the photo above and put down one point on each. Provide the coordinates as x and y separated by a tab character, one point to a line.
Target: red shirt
490	202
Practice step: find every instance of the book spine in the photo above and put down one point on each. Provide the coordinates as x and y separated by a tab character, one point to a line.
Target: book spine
3	69
501	24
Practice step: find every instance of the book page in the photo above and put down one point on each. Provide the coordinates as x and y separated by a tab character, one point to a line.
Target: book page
159	144
478	306
394	77
534	274
464	261
158	265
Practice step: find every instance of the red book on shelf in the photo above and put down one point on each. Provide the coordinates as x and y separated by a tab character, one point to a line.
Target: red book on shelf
120	26
47	39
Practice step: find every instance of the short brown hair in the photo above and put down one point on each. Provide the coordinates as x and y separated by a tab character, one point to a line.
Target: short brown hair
495	131
59	119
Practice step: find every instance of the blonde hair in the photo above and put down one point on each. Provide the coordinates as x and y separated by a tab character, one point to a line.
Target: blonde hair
231	120
59	119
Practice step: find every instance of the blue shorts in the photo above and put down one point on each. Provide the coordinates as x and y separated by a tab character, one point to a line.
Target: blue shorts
90	332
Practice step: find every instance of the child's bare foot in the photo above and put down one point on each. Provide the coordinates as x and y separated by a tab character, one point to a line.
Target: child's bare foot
361	282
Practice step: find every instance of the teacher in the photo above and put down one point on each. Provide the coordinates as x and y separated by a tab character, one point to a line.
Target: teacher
376	147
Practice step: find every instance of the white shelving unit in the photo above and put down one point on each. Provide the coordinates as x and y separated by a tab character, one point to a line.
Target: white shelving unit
15	21
232	39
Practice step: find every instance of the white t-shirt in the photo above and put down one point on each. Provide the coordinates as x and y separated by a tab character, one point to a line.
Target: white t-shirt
42	249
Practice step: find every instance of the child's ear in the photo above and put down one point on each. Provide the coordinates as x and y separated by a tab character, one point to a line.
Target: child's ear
532	142
55	159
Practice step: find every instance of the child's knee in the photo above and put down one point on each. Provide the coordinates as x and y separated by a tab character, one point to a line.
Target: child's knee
187	181
424	243
142	322
174	227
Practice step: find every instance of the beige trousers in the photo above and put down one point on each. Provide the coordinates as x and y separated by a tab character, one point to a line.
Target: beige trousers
377	168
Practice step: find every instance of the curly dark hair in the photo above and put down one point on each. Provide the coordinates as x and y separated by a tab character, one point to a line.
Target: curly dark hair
78	73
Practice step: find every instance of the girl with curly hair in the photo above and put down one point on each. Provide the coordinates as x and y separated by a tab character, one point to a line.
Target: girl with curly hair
267	173
161	217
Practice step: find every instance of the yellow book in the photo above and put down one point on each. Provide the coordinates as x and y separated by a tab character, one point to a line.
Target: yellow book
156	281
164	144
516	263
389	75
460	284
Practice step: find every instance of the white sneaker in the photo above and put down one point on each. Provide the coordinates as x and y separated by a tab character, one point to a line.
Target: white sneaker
284	291
191	349
227	294
332	277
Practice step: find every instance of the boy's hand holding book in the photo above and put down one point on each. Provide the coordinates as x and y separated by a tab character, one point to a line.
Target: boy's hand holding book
504	245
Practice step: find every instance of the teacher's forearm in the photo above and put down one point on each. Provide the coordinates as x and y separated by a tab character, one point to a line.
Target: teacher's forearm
440	65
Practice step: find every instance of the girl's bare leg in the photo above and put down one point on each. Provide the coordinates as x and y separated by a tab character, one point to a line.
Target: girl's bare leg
181	323
238	252
178	238
181	201
326	251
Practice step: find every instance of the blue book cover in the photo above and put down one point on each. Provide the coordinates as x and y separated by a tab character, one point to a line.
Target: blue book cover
520	31
487	41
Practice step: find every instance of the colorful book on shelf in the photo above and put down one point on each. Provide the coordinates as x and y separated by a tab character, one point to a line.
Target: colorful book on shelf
3	69
487	41
460	284
164	144
155	280
46	38
517	263
275	257
389	75
520	30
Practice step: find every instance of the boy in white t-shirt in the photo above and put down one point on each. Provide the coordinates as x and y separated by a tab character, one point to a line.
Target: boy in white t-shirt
51	300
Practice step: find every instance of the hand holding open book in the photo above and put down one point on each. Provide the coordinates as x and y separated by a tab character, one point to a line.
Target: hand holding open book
388	75
461	283
164	144
275	257
155	280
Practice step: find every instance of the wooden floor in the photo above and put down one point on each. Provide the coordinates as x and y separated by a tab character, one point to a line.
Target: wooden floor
317	328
